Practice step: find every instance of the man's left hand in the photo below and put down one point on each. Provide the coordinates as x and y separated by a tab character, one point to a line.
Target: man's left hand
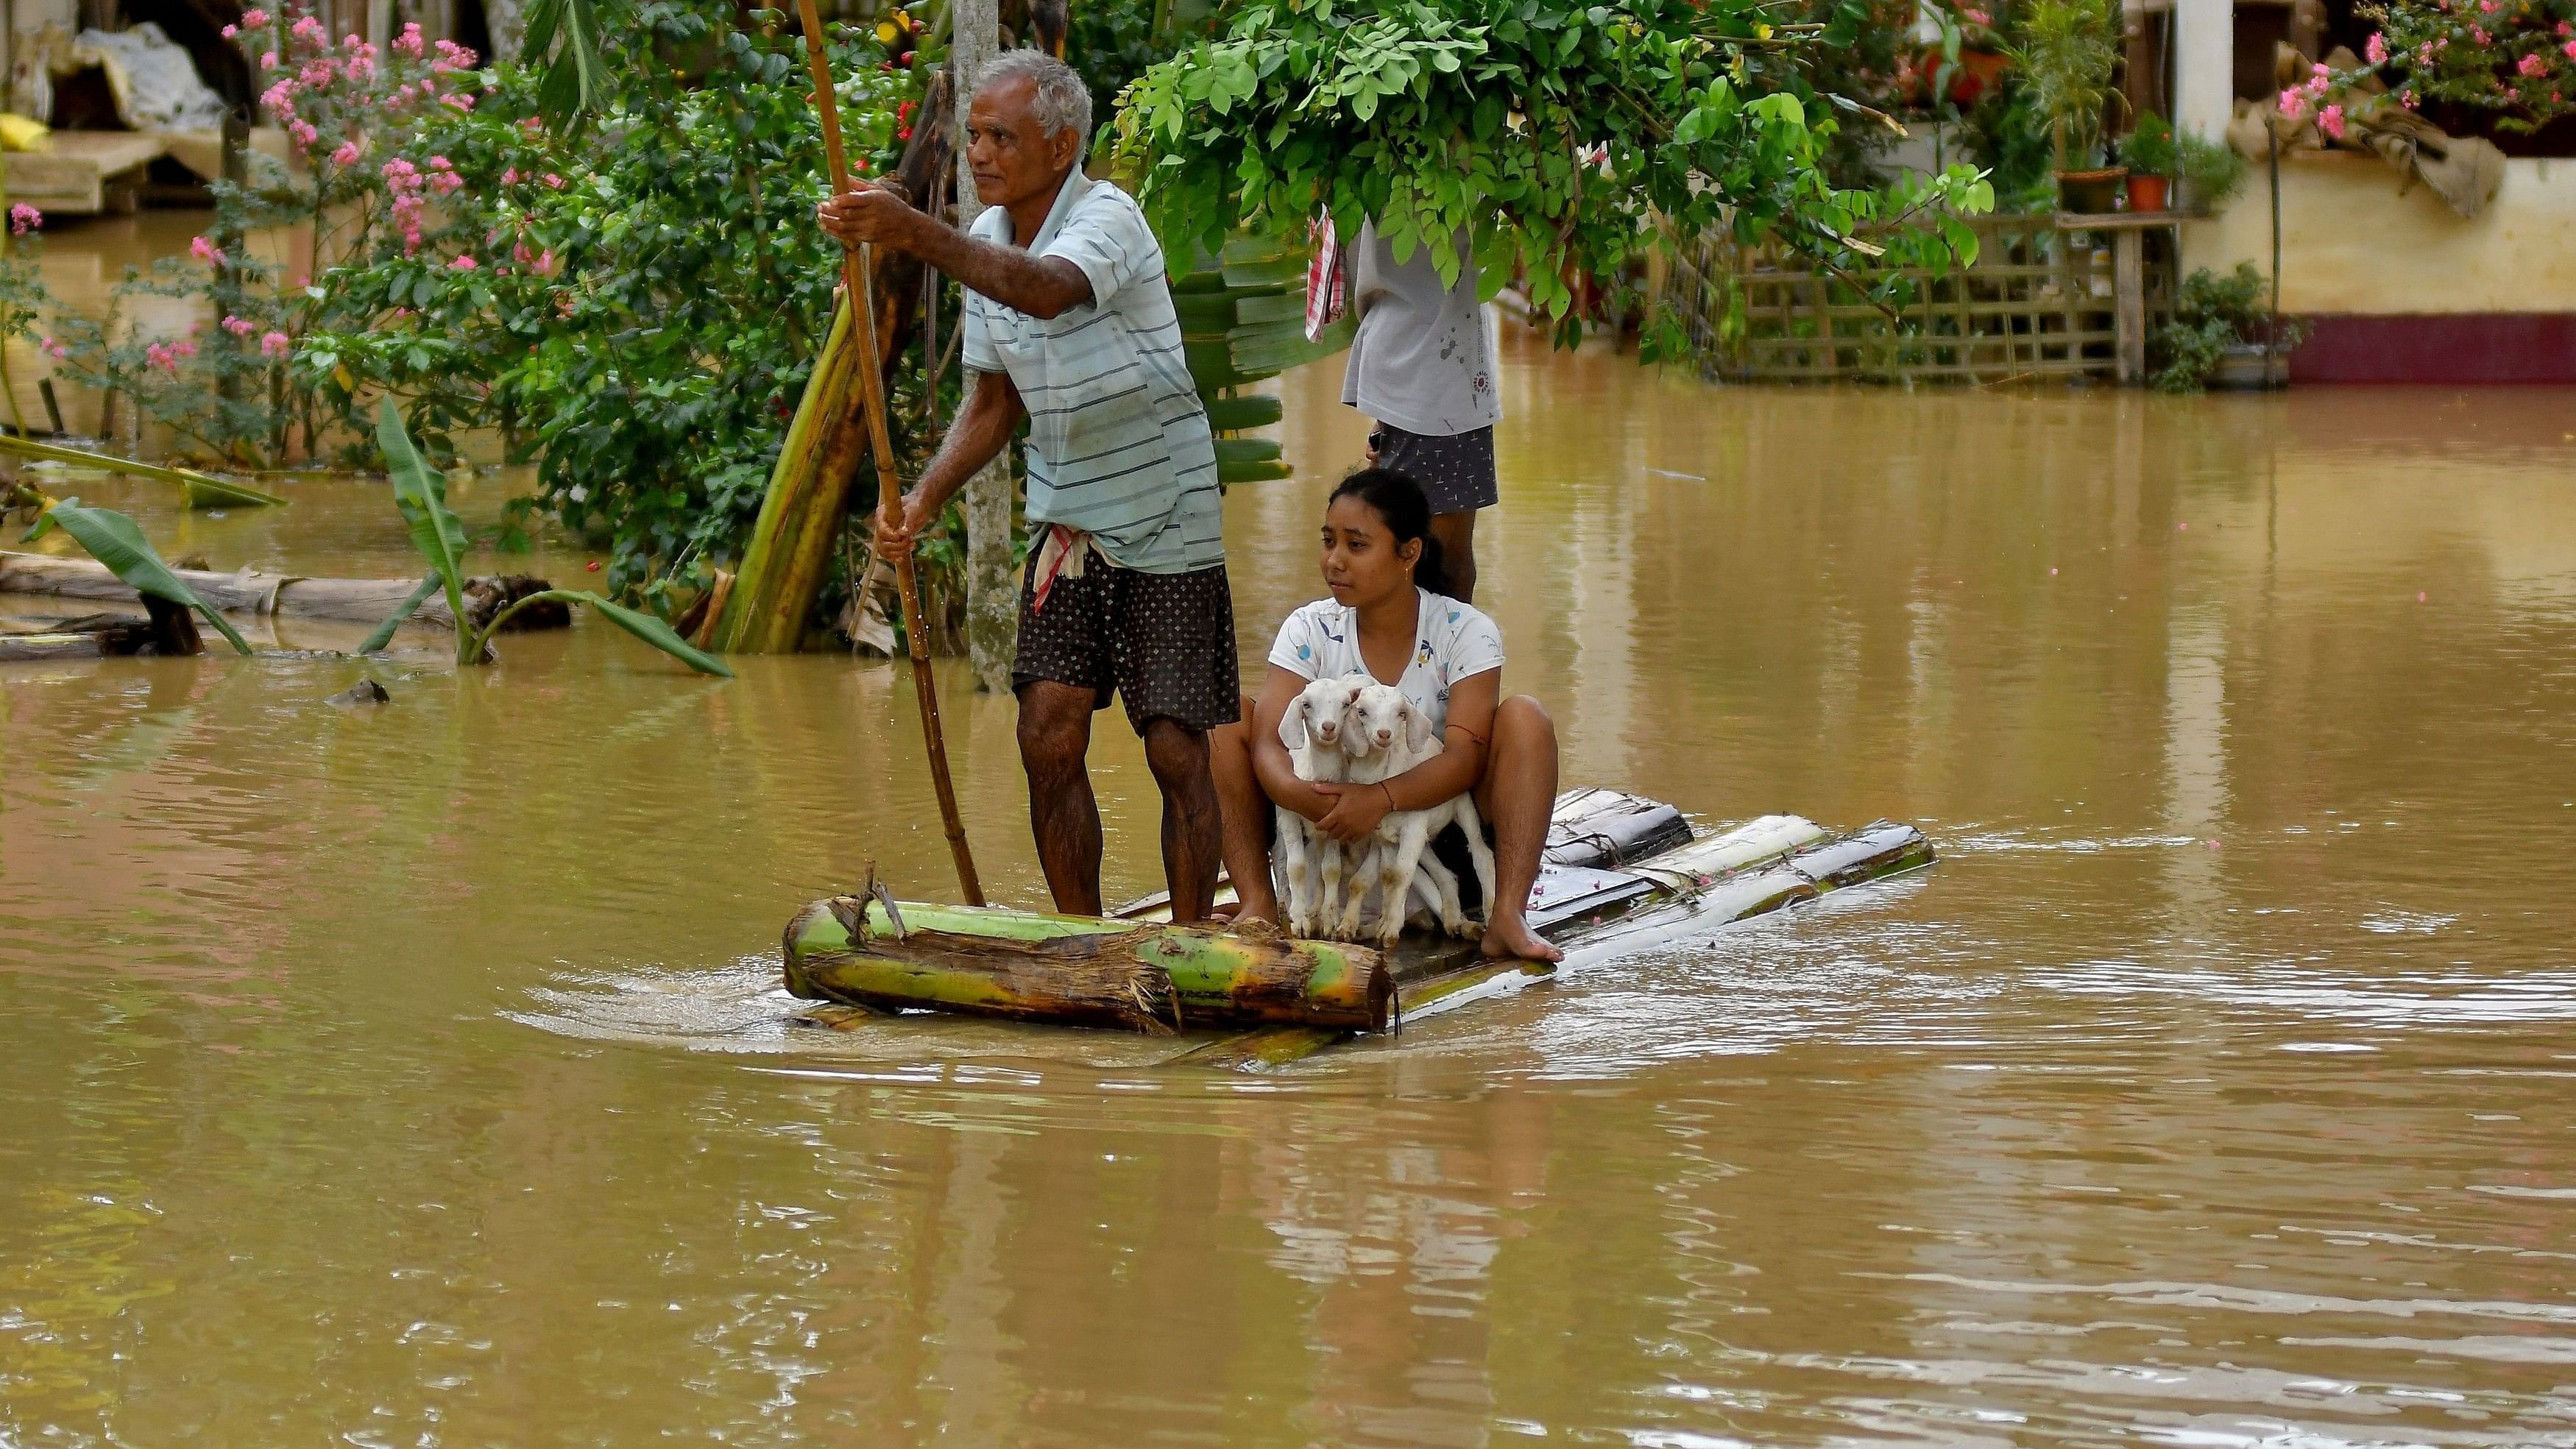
874	212
1356	811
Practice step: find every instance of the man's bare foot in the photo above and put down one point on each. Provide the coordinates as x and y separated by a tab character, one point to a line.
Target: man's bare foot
1510	938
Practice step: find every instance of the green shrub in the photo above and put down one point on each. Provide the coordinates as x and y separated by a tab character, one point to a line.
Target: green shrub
2212	314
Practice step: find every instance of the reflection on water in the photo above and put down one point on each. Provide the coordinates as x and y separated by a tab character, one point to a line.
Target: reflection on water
418	1076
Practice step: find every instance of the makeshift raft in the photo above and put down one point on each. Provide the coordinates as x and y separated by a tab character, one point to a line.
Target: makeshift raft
1618	868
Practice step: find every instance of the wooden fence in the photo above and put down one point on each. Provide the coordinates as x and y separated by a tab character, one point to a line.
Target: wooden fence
2037	303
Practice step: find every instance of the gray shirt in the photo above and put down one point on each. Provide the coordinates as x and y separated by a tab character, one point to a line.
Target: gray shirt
1419	360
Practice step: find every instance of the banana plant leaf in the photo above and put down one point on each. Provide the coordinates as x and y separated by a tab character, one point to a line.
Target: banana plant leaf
634	621
1235	414
113	540
202	490
1265	349
384	634
1246	450
420	491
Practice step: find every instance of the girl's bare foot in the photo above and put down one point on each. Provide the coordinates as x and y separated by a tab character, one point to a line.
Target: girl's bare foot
1510	938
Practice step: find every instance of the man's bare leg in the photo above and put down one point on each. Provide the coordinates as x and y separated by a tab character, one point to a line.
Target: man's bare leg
1517	796
1457	535
1055	745
1192	837
1246	809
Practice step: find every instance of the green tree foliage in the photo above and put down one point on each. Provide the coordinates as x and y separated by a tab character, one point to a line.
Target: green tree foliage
636	307
1553	135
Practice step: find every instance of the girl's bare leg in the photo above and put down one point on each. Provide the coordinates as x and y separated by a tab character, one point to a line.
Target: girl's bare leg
1246	812
1517	795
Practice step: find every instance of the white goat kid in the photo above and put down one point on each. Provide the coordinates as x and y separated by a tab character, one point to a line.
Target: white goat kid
1312	731
1385	736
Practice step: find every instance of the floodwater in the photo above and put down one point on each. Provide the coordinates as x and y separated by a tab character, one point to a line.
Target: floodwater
419	1076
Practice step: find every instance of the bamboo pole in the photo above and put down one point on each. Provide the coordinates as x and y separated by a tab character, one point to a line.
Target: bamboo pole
856	265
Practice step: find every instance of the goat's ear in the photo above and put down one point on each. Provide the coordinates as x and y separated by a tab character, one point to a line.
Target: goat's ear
1417	726
1292	725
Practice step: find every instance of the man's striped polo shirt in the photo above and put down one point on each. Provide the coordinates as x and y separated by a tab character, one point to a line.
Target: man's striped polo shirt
1118	444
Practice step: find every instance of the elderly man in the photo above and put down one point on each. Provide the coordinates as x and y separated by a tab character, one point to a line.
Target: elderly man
1069	324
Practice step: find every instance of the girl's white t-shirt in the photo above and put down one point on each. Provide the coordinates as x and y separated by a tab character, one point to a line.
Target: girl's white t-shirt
1452	641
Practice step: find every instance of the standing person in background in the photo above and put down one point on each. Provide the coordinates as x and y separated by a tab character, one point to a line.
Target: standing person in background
1421	369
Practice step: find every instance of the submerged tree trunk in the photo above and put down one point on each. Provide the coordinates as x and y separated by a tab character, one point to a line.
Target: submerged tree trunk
359	601
1078	970
992	600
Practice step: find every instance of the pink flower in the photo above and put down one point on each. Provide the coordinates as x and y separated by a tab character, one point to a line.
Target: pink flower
554	182
1976	17
268	60
510	176
2570	48
2330	121
161	356
463	263
409	42
2293	105
2531	64
275	344
546	262
303	133
254	19
2480	36
53	349
460	101
240	326
2377	49
206	251
229	31
347	155
310	29
183	348
24	218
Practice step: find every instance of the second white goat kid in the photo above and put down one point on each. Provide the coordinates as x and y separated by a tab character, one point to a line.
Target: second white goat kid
1312	729
1384	735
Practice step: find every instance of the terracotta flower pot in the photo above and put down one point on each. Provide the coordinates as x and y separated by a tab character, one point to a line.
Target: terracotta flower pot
2149	193
2091	193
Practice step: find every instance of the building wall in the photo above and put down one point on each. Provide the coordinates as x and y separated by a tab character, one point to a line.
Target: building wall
2399	288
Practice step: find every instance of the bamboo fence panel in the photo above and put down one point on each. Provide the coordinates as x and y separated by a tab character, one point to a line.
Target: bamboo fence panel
2037	303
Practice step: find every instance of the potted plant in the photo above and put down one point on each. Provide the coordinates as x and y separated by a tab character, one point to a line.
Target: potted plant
2065	53
2152	158
2218	336
2212	172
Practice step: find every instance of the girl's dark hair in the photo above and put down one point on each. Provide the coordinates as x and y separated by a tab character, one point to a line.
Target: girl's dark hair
1399	501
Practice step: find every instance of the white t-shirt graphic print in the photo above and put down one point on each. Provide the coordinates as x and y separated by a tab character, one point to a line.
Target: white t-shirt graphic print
1452	641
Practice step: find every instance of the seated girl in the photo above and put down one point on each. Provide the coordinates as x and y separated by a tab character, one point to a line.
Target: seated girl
1390	619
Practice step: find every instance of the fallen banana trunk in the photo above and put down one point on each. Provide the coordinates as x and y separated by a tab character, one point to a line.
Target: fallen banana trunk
262	595
1078	970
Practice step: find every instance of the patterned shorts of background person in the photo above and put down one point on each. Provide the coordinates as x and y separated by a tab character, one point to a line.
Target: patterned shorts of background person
1163	642
1456	472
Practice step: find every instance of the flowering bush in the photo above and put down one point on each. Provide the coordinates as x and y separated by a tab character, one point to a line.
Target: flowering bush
348	108
2512	59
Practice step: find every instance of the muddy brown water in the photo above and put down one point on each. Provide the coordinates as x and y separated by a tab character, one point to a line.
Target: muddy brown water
419	1076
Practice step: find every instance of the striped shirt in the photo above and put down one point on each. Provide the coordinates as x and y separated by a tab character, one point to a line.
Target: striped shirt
1118	443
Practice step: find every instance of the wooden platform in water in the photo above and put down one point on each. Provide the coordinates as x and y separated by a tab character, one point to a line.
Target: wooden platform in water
84	173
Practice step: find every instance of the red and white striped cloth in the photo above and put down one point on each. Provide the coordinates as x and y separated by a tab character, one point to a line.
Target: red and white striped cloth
1324	300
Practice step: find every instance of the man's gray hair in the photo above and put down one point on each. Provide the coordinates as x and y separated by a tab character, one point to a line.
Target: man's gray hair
1057	96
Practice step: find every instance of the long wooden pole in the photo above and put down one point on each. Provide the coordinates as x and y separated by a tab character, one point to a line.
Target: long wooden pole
856	266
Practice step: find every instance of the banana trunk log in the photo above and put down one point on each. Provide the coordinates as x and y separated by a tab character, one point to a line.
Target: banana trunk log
807	506
1078	970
